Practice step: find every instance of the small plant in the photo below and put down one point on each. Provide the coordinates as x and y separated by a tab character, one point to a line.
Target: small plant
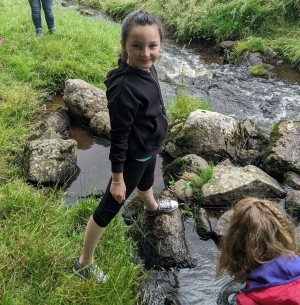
186	185
203	178
172	180
181	107
253	44
258	70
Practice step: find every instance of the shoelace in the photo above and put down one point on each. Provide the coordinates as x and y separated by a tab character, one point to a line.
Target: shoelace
164	205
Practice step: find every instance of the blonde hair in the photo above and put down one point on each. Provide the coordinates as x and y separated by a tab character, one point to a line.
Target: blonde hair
258	233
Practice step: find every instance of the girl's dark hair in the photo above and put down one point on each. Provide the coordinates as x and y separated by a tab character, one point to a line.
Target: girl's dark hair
258	232
136	18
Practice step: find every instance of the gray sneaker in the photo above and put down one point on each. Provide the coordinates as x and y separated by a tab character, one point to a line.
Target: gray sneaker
52	31
164	206
89	272
39	32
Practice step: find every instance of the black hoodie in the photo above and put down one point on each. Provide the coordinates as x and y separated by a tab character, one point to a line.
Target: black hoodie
137	115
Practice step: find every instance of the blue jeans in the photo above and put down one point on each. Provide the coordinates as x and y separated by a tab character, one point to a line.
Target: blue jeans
36	13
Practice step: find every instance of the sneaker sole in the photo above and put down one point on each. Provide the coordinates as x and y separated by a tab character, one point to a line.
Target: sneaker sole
161	212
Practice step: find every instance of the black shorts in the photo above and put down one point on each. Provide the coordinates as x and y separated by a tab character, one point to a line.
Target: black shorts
136	174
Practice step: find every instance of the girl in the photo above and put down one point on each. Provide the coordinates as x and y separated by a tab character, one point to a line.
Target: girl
259	248
138	128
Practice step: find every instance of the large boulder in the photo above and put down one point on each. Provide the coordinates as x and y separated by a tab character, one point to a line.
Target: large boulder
283	153
161	240
230	184
50	160
83	99
211	135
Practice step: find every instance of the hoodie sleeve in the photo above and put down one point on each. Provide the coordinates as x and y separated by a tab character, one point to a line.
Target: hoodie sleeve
122	106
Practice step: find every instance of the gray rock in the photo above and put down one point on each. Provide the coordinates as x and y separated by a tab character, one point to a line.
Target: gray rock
223	223
58	120
230	184
100	125
50	161
283	153
163	243
211	135
83	99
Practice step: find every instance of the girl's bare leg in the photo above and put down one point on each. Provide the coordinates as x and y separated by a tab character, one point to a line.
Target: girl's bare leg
92	236
148	199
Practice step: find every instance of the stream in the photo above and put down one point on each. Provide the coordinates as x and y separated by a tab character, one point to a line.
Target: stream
232	91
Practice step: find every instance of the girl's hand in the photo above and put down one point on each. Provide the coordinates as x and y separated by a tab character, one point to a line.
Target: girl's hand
118	191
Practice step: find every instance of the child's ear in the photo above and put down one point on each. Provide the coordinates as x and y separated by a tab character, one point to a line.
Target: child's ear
122	44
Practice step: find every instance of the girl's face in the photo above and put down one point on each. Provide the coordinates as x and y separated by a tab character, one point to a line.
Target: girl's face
142	46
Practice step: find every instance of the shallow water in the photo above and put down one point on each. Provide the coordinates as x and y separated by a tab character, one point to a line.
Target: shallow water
231	91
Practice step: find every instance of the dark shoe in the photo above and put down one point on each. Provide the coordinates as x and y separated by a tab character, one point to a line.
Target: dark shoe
52	31
164	206
39	32
89	272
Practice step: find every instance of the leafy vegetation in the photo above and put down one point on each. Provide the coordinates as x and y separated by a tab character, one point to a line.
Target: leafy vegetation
258	70
276	22
181	107
203	178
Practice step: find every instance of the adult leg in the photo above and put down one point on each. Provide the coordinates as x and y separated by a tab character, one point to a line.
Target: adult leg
36	13
49	15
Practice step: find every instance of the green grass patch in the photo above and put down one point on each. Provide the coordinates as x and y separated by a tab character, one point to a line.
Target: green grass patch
203	178
82	48
180	108
258	70
39	241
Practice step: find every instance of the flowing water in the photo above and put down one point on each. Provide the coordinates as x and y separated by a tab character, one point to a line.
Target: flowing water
232	91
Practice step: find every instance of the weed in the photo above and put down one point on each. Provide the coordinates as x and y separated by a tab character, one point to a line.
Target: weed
181	107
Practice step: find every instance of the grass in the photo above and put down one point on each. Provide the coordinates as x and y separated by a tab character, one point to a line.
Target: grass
40	239
40	236
203	178
276	22
180	108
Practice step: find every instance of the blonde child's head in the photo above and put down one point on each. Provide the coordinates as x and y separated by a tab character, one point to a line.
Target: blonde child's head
258	232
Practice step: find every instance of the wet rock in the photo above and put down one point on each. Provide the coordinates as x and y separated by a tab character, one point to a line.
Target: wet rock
211	135
230	184
50	161
269	53
194	164
283	152
252	136
225	45
292	203
87	12
163	241
50	133
203	225
223	223
249	157
83	99
150	292
279	63
100	125
132	210
183	190
59	120
292	180
250	58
